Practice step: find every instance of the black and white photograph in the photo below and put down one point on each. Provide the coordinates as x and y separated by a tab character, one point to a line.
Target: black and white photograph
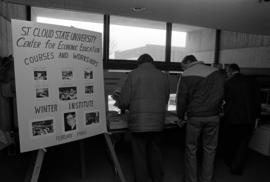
67	74
40	75
88	73
91	118
89	89
67	93
70	121
42	127
136	90
42	93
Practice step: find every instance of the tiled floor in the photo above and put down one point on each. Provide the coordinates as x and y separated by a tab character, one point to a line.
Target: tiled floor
62	163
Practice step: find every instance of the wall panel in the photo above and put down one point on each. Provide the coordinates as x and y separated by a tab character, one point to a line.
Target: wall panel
234	40
247	50
201	43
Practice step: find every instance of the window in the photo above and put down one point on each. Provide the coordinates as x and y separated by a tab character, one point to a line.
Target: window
129	38
198	41
178	42
132	37
86	21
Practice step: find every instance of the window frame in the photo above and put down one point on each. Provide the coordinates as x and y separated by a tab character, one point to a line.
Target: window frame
122	64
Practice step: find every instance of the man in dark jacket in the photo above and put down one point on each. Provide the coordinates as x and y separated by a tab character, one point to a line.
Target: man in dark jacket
145	94
242	107
199	96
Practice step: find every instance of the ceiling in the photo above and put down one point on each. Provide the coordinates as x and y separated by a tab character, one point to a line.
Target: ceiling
250	16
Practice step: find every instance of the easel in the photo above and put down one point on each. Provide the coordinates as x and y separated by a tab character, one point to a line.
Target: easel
114	157
35	167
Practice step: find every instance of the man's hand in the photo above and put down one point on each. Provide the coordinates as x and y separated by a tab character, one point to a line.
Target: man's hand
116	94
181	122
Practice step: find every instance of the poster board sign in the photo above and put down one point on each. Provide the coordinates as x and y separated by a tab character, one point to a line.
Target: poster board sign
59	84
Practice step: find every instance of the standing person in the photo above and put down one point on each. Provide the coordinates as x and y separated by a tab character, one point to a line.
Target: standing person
199	96
145	94
242	107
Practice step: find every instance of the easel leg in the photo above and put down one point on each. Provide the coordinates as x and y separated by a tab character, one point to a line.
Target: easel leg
114	157
34	169
82	158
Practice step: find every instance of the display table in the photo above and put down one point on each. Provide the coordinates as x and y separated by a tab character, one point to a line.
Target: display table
119	121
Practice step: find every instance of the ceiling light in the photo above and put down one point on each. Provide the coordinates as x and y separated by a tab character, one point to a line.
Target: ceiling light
138	9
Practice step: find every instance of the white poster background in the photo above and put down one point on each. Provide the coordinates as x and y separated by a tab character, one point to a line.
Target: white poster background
58	70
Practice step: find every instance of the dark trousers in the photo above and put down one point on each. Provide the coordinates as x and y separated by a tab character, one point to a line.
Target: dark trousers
235	145
207	128
147	156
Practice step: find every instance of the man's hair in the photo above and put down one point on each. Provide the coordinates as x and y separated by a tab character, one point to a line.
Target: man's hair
145	58
234	67
189	59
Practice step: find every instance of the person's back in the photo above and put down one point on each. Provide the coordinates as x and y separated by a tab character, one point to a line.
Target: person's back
242	103
199	96
242	107
145	94
204	90
148	99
